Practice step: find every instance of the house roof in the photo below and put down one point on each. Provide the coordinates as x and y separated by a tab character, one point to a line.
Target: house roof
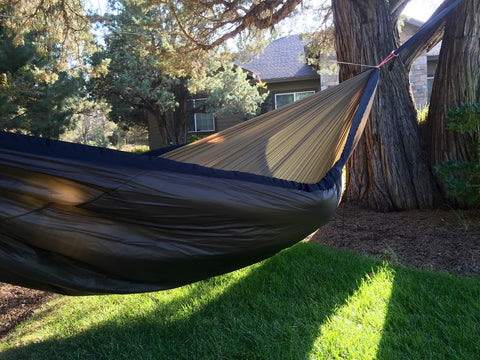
281	60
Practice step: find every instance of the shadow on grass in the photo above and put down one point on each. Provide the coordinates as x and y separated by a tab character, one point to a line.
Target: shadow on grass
274	312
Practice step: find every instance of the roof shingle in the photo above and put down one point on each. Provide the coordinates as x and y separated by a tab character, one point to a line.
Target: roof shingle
281	59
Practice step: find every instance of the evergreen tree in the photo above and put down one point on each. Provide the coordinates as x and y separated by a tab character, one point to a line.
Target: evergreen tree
63	25
34	98
138	87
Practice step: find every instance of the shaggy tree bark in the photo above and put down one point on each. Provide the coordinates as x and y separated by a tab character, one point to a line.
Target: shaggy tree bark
457	80
171	124
387	171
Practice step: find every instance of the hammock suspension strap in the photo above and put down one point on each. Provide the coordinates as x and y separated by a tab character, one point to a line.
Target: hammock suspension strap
392	55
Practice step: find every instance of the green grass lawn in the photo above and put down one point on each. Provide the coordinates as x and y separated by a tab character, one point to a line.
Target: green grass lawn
308	302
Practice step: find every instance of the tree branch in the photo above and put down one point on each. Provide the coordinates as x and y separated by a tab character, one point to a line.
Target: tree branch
430	39
261	15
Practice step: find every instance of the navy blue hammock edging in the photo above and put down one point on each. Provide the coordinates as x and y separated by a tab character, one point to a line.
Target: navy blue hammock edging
79	220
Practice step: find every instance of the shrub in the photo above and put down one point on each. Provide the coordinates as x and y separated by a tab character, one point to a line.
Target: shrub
462	179
139	149
193	137
422	114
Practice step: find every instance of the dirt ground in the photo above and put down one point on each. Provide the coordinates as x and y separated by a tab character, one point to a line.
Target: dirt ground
16	304
445	240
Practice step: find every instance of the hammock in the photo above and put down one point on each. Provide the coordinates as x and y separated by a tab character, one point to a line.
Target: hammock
78	220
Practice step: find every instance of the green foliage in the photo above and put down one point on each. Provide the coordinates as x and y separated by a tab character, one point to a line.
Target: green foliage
134	78
91	125
139	149
34	97
422	115
462	179
59	26
131	81
180	33
193	137
319	51
131	84
227	90
465	119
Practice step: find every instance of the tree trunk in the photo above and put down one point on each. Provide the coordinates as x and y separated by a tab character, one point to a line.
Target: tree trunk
176	120
167	128
457	81
387	171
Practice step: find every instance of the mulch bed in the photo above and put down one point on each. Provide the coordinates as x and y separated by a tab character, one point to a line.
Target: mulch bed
16	304
444	240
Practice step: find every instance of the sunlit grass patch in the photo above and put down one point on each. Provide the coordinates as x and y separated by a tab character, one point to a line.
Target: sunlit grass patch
354	331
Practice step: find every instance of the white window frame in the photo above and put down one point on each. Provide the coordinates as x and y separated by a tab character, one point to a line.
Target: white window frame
429	90
195	119
295	94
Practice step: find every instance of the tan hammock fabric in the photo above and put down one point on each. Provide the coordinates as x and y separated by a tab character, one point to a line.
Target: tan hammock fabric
299	142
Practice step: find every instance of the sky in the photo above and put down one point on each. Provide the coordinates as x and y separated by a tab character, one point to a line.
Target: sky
418	9
421	9
305	21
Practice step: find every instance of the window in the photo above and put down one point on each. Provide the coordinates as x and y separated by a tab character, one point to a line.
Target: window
429	86
287	98
199	122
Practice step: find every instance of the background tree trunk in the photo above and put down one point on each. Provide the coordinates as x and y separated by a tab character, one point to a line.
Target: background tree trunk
167	128
387	170
175	121
457	80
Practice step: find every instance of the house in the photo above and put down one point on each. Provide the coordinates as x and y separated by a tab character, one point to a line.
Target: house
282	66
423	68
